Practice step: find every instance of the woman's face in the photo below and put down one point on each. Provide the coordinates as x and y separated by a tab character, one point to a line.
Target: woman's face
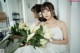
46	13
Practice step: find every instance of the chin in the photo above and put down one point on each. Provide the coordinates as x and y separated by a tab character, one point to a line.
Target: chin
47	18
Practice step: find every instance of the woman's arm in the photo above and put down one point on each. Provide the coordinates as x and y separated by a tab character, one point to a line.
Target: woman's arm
65	34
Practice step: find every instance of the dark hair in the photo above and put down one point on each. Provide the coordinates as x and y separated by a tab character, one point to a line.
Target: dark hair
51	8
36	9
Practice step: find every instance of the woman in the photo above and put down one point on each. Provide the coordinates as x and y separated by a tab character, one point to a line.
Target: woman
59	39
36	10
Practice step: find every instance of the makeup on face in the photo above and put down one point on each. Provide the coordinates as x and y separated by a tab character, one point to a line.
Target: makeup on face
46	13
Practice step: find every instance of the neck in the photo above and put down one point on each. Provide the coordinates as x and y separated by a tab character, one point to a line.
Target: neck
51	20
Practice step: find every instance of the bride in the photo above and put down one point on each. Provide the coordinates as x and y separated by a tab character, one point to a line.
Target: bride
59	40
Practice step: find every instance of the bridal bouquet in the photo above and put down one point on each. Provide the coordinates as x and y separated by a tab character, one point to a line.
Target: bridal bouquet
35	35
39	35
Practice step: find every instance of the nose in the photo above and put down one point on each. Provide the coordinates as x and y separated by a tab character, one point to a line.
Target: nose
45	13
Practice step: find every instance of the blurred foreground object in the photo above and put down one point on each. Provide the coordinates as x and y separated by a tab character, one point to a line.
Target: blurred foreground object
2	16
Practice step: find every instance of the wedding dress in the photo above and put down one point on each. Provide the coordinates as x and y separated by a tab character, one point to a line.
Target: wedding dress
56	48
50	47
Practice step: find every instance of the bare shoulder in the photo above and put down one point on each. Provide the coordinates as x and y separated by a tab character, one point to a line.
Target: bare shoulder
61	23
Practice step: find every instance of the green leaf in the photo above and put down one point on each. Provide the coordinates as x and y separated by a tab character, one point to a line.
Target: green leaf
29	32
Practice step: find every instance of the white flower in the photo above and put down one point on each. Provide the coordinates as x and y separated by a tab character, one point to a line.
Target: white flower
45	28
43	42
22	25
36	28
25	28
33	27
30	36
47	32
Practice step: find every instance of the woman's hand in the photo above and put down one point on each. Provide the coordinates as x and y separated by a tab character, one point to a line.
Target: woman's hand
51	40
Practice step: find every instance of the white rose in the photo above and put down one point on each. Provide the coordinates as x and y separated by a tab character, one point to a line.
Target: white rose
43	41
45	28
36	28
47	34
33	27
22	25
30	36
25	28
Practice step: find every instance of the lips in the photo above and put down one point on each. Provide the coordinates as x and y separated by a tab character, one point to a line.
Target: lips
46	16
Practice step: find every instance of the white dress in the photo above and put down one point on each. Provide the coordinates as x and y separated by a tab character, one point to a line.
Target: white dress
56	48
50	47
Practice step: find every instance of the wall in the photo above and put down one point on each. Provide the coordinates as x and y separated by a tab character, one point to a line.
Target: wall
0	7
29	4
17	7
27	14
75	28
11	6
